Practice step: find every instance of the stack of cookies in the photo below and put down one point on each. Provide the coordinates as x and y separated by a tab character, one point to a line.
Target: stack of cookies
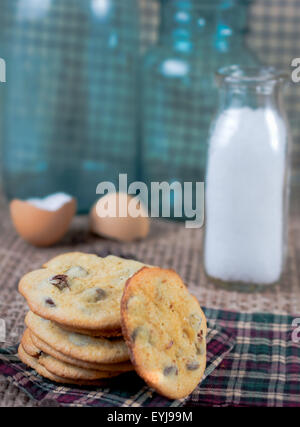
94	318
73	333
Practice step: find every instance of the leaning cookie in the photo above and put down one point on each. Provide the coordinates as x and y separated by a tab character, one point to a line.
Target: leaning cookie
80	291
41	370
77	346
165	330
40	345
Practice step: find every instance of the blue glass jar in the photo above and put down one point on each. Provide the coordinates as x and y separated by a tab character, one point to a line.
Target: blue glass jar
70	119
179	91
230	33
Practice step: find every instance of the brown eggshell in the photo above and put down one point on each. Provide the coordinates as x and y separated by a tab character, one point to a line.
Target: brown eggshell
38	226
124	229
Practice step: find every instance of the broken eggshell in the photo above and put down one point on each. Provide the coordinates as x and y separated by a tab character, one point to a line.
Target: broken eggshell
41	225
124	229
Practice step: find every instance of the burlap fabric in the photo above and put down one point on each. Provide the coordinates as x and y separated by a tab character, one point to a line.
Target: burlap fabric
168	245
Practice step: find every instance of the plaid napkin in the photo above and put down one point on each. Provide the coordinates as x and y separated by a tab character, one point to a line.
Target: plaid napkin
130	391
262	370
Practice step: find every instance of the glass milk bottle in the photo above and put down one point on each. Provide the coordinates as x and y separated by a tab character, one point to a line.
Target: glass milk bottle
247	181
179	92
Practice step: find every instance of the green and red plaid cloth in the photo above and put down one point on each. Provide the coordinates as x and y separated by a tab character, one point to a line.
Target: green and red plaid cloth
252	361
128	391
262	370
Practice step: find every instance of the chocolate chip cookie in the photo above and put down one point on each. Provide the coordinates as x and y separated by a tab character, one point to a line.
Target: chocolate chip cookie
65	370
33	345
89	349
33	363
81	292
165	330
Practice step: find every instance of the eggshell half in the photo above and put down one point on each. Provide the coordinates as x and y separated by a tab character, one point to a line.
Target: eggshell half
124	229
38	226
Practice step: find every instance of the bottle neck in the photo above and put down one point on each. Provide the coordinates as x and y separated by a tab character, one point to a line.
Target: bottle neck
232	25
190	24
251	96
185	23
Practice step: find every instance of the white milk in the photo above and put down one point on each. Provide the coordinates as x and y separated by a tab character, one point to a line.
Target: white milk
245	197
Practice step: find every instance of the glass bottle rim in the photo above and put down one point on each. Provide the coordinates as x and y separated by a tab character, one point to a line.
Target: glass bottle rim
236	74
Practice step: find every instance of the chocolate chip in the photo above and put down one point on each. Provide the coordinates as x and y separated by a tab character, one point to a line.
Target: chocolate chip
135	333
169	345
100	294
199	349
192	366
49	301
170	370
60	281
200	335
